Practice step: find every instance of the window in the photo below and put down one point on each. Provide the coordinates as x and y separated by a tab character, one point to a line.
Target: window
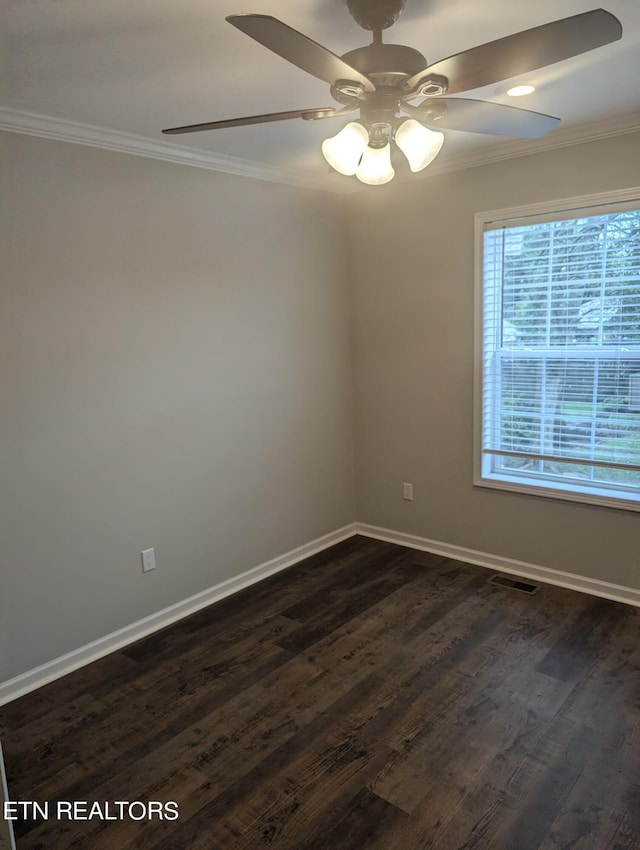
558	400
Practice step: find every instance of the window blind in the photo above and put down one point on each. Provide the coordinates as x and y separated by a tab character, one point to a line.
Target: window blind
561	349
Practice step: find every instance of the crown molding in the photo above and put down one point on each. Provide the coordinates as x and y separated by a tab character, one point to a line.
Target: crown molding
48	127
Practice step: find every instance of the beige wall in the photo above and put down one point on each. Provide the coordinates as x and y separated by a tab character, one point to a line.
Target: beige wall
177	370
175	373
413	294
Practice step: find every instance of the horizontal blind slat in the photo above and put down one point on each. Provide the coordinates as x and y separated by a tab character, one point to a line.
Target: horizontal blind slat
561	459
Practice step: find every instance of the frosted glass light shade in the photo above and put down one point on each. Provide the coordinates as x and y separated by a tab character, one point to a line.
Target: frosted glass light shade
419	144
375	166
343	151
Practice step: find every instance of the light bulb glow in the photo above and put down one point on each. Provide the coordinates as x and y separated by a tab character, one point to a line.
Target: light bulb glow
520	91
375	166
419	144
344	150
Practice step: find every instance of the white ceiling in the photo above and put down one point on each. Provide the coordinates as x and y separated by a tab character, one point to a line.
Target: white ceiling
136	66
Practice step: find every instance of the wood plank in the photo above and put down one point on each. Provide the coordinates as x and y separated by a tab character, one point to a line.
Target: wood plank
589	821
365	819
581	643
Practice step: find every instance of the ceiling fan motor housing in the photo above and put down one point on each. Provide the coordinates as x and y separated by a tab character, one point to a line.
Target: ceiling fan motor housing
375	14
386	64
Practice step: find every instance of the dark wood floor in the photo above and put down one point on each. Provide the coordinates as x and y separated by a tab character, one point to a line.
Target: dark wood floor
370	698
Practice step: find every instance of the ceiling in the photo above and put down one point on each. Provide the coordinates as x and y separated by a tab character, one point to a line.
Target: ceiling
137	66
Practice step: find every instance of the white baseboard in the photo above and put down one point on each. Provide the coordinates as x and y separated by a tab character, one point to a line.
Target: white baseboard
58	667
595	587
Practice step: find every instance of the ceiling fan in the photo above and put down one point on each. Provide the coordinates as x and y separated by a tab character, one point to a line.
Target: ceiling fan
382	81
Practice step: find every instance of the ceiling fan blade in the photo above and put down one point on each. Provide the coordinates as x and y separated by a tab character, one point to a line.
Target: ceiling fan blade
524	52
481	116
298	49
307	114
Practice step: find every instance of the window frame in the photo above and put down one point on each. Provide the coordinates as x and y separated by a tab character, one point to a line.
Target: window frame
573	492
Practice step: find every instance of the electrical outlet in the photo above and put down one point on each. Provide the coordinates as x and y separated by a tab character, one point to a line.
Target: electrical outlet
407	492
148	560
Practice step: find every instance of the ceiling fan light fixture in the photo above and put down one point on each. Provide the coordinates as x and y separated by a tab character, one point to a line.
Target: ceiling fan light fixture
418	143
344	150
382	79
375	166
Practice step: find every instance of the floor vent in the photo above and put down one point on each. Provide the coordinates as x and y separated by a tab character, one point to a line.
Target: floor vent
514	583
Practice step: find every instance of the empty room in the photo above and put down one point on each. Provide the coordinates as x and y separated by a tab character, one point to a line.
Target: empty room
320	432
